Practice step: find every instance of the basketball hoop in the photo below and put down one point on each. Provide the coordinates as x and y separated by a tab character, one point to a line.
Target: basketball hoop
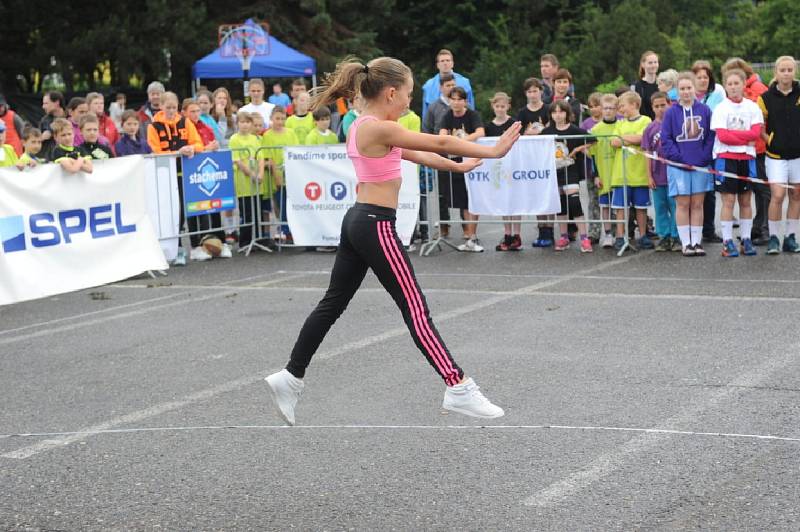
244	41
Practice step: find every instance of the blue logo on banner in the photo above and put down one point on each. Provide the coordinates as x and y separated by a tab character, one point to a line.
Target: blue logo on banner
338	190
208	183
52	229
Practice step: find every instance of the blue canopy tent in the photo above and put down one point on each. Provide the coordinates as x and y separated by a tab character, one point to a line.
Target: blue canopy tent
282	61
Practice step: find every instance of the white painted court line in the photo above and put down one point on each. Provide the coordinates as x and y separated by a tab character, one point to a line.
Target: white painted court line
139	415
196	299
590	277
607	463
435	428
538	293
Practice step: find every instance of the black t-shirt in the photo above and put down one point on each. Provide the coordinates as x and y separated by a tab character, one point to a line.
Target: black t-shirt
527	117
569	173
493	130
67	152
646	90
469	122
95	150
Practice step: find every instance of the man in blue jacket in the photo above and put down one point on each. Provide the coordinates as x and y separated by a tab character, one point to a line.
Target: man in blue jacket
430	91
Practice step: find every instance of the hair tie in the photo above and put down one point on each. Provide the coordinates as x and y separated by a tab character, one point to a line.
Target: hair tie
366	69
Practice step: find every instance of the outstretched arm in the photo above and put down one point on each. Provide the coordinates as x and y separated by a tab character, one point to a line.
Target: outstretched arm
433	160
393	134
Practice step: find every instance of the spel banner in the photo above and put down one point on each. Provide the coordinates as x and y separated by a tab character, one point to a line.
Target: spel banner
321	186
208	183
522	182
62	232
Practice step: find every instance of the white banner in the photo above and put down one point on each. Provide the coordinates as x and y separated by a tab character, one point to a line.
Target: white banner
522	182
163	201
321	186
62	232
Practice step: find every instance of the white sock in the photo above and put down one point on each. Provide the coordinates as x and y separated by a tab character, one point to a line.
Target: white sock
745	228
774	228
792	226
697	234
727	230
684	234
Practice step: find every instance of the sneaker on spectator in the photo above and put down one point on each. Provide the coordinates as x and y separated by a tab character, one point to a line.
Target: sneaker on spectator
326	249
562	243
471	246
231	239
504	244
712	238
180	258
516	243
466	398
747	248
729	249
790	244
199	254
688	251
774	246
619	243
699	251
225	252
586	245
645	243
607	241
542	243
676	244
665	244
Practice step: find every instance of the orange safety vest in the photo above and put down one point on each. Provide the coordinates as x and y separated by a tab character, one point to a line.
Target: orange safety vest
12	137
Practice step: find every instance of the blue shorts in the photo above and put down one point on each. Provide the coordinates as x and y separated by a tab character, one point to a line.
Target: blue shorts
687	182
638	197
604	199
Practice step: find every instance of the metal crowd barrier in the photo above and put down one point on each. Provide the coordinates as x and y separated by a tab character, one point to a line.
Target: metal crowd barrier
593	220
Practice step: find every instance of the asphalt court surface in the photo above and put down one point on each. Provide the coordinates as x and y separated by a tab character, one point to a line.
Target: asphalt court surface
647	392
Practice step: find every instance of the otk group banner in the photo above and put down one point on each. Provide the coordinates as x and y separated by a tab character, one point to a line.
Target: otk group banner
522	182
208	183
62	232
321	186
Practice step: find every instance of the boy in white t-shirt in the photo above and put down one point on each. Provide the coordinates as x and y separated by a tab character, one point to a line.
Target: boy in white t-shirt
737	123
257	103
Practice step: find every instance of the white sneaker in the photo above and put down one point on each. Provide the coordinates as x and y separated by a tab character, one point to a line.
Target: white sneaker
199	254
466	398
607	241
471	245
180	258
285	389
226	252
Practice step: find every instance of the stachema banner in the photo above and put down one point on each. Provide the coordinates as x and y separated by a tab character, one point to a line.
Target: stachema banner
62	232
522	182
208	183
321	186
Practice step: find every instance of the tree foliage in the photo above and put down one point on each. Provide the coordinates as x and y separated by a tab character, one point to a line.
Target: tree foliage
496	43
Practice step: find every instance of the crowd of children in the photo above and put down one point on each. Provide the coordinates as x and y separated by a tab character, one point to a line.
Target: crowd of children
740	127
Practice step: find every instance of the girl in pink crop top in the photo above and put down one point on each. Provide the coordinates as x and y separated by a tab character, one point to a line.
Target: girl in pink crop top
368	238
372	169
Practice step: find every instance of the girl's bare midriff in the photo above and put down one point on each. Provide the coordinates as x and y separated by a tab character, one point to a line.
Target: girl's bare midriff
383	193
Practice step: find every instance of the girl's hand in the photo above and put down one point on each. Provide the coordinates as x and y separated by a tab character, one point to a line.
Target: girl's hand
468	165
616	143
507	140
598	182
213	145
652	183
188	151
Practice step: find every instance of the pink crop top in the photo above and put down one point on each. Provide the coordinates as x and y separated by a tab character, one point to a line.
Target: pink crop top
372	169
